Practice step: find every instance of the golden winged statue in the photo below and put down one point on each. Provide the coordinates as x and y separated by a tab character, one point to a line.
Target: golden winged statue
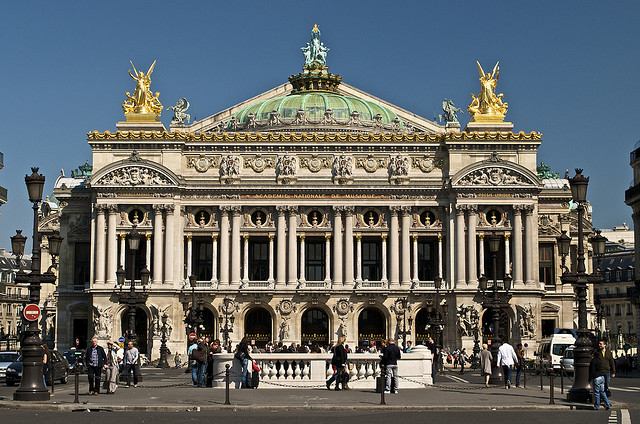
488	106
143	104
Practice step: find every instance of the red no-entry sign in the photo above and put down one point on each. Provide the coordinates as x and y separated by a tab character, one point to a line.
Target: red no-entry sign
31	312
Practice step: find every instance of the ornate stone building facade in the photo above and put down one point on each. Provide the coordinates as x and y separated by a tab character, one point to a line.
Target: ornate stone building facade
309	211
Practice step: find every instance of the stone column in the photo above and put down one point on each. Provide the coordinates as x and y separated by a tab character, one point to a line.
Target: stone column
158	255
394	247
235	244
271	258
472	273
337	245
460	247
112	245
440	259
358	258
302	279
189	255
147	258
507	258
123	238
327	258
348	246
293	246
528	236
481	254
517	245
224	244
282	245
101	242
384	257
214	258
405	269
415	279
245	258
169	243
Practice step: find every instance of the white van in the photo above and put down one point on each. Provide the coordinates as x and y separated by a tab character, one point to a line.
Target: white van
551	350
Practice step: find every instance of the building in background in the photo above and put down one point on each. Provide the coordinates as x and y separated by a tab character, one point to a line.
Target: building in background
315	210
12	298
3	191
632	198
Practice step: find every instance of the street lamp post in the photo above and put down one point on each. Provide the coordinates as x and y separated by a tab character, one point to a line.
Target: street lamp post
581	389
132	298
227	305
438	322
496	301
163	363
32	386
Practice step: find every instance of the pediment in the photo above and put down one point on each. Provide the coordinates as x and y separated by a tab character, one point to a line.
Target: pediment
495	173
549	307
214	122
134	172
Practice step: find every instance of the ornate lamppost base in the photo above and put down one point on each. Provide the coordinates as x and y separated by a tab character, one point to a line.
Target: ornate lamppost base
579	395
32	387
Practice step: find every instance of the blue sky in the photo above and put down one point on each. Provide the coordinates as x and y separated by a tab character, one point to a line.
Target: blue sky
569	69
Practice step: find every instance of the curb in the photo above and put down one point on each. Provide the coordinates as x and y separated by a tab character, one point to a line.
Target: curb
71	407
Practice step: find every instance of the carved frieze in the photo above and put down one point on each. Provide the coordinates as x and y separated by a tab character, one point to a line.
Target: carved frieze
202	163
134	176
315	163
399	166
259	163
229	169
286	169
371	163
343	169
427	164
494	176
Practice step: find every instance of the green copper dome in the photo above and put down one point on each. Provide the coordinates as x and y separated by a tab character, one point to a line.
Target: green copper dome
315	105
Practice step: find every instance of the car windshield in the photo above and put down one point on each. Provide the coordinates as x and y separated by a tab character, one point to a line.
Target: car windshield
568	354
8	357
558	349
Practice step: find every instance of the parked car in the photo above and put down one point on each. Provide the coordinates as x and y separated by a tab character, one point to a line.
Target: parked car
566	361
6	358
551	350
60	370
75	357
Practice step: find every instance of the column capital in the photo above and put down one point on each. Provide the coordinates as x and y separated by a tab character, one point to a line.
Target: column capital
214	236
301	236
169	208
384	236
272	236
358	236
245	236
348	210
460	209
147	236
188	236
518	208
506	236
406	210
481	236
327	236
282	209
395	209
158	209
112	209
439	236
414	236
471	209
528	209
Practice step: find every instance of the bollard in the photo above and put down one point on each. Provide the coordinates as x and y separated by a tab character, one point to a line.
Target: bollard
51	377
226	384
551	389
541	386
383	370
561	378
76	383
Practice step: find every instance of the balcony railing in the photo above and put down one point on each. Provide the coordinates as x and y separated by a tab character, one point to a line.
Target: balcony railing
310	370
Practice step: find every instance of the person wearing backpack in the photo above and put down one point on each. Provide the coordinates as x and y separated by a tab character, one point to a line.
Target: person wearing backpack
193	348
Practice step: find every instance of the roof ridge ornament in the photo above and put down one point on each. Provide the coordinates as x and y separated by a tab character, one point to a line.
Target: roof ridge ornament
143	105
488	106
315	52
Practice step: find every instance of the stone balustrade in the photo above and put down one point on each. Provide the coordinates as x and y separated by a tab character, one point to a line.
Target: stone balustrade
310	370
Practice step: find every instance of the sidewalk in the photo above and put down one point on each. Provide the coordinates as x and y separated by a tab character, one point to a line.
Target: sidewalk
171	391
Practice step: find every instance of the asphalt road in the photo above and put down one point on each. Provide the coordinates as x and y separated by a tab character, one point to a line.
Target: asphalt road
311	417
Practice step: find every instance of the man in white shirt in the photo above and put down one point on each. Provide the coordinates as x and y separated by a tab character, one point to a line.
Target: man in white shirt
506	359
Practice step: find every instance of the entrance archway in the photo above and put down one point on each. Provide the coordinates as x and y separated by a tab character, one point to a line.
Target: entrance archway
423	328
258	326
209	324
141	327
315	327
504	329
372	327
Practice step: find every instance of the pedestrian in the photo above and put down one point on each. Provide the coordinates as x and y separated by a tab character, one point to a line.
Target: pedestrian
244	356
111	367
598	381
409	347
462	359
193	364
604	364
131	359
339	360
45	362
519	363
506	359
95	358
485	363
391	356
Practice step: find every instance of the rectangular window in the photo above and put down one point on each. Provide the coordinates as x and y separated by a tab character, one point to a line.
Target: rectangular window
202	257
371	259
548	325
140	260
258	259
488	261
427	259
618	309
81	261
547	264
315	259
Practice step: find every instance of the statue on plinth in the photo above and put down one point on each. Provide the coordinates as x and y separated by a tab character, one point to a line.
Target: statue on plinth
143	104
488	106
